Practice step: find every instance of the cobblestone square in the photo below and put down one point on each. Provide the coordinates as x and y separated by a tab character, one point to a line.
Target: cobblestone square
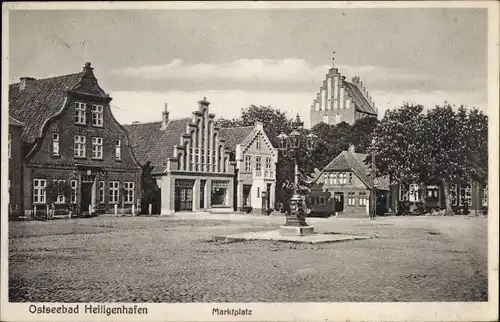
173	259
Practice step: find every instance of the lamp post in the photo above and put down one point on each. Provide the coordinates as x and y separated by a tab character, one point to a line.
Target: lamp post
292	145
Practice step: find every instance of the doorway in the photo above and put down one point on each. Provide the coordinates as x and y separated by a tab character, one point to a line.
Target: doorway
339	201
183	195
86	196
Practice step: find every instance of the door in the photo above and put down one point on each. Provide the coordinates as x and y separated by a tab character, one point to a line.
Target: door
86	196
339	201
183	199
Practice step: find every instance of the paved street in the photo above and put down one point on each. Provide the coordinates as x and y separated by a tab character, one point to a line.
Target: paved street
173	259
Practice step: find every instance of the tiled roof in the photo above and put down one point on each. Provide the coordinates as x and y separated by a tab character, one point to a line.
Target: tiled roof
152	144
38	101
352	161
235	135
13	121
362	104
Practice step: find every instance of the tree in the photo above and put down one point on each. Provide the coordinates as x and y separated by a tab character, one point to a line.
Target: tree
397	145
150	192
456	146
362	132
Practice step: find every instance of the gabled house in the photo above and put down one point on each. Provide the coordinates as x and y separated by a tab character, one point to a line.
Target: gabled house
72	141
344	186
255	160
189	160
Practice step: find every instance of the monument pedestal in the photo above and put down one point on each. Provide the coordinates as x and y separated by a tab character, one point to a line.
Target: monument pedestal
296	230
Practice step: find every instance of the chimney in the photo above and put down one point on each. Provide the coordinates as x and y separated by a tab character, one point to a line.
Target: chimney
164	117
25	81
352	148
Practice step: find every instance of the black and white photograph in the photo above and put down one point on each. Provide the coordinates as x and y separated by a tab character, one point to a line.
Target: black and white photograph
250	161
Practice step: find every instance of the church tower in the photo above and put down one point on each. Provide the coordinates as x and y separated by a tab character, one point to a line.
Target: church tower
341	101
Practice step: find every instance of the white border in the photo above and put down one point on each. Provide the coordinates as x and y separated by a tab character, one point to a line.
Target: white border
431	311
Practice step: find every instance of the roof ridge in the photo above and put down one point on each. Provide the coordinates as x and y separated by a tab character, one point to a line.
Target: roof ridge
49	78
238	127
142	123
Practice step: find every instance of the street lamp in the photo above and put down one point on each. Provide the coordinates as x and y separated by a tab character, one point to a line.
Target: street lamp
295	224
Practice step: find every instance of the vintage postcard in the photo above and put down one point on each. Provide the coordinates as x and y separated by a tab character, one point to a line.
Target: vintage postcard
250	161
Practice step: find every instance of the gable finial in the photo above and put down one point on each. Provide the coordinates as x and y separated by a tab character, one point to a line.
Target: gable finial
333	58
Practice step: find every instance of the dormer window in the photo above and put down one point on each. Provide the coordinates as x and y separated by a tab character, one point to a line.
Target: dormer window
80	109
97	115
258	143
55	144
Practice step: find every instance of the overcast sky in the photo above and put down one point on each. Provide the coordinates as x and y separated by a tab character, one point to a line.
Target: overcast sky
265	57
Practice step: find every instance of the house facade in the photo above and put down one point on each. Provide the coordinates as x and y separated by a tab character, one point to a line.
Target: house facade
15	187
341	101
77	156
343	187
255	161
188	159
432	195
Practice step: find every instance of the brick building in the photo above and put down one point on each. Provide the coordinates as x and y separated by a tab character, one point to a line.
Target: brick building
77	155
341	101
15	167
344	187
256	160
188	159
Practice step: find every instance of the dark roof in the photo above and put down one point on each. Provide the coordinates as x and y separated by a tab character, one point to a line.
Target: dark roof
235	135
13	121
152	144
38	101
362	104
352	161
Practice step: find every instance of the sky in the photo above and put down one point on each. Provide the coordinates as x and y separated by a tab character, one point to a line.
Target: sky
277	58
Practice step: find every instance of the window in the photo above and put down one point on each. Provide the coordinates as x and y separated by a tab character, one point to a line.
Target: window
39	193
114	192
335	175
432	193
59	189
79	151
258	192
413	194
129	192
248	163
97	115
268	164
350	177
55	144
453	194
485	197
403	192
343	178
80	109
258	143
73	191
118	150
465	194
101	191
257	163
96	148
10	145
362	199
351	198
